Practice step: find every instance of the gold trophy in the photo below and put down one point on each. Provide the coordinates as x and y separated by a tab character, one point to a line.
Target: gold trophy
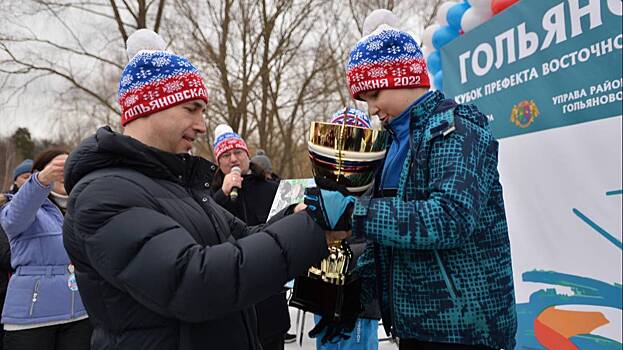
348	156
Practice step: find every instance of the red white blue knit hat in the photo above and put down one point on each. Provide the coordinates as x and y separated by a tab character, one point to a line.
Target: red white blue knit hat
225	140
385	58
155	79
351	116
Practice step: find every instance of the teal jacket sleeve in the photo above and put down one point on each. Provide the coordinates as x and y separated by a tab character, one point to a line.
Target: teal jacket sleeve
462	167
366	270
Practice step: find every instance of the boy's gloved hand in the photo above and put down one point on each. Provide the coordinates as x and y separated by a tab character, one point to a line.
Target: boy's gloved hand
331	185
334	329
330	209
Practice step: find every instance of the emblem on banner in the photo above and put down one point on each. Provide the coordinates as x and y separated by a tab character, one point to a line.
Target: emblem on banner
524	113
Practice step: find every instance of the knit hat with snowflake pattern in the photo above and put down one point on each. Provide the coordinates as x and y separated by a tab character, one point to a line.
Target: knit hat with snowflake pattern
351	116
385	57
225	140
155	79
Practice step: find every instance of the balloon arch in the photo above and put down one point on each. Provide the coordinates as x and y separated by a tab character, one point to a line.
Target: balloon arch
455	19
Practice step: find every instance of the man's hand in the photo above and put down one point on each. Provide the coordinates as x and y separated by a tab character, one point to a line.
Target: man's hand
231	180
334	236
300	207
53	171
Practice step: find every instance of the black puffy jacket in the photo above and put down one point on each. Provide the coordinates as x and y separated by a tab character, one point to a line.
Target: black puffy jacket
161	266
253	206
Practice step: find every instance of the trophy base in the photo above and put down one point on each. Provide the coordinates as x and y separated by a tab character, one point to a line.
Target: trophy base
322	298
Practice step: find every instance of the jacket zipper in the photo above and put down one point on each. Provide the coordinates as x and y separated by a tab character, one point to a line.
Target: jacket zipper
393	136
482	323
34	297
390	297
445	276
391	292
247	325
73	299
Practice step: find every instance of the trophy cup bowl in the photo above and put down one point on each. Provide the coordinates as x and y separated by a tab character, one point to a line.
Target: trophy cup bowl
349	156
346	154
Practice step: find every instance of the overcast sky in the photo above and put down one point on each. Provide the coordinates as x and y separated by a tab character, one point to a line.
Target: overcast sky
29	108
32	108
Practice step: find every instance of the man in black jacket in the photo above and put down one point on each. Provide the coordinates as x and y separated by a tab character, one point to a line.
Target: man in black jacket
251	205
159	264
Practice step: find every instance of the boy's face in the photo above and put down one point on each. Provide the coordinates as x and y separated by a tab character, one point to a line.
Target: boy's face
390	103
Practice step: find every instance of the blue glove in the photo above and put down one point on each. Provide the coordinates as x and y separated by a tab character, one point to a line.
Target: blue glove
330	209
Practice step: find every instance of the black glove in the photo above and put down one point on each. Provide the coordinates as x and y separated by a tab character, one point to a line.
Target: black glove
338	328
331	185
334	331
329	209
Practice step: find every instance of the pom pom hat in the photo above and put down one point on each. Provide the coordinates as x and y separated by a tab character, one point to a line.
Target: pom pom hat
352	116
225	140
23	167
155	79
385	58
261	159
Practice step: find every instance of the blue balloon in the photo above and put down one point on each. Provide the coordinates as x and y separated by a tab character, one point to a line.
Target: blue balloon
467	2
443	36
433	61
438	80
455	13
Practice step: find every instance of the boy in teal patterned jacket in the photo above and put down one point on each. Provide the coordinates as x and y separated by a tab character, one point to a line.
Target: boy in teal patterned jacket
439	240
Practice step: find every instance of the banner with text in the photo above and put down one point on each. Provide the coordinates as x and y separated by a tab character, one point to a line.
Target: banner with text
548	76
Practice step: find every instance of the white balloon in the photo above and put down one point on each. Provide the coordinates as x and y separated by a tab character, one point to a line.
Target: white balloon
442	12
427	50
431	79
427	37
616	7
480	4
473	17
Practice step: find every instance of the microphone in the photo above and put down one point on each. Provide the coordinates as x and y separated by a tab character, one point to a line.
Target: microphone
233	195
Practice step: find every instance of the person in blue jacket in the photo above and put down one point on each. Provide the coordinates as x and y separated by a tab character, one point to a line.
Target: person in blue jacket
440	247
21	173
43	309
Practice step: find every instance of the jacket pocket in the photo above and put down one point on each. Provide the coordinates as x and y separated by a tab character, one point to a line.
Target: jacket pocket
446	278
35	294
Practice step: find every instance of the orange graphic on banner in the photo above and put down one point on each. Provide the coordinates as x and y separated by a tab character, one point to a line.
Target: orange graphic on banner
554	327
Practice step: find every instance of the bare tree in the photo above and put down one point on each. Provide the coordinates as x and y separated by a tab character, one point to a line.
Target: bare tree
271	67
264	60
79	52
8	161
11	155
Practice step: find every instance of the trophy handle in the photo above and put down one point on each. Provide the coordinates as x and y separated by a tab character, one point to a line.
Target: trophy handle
334	268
